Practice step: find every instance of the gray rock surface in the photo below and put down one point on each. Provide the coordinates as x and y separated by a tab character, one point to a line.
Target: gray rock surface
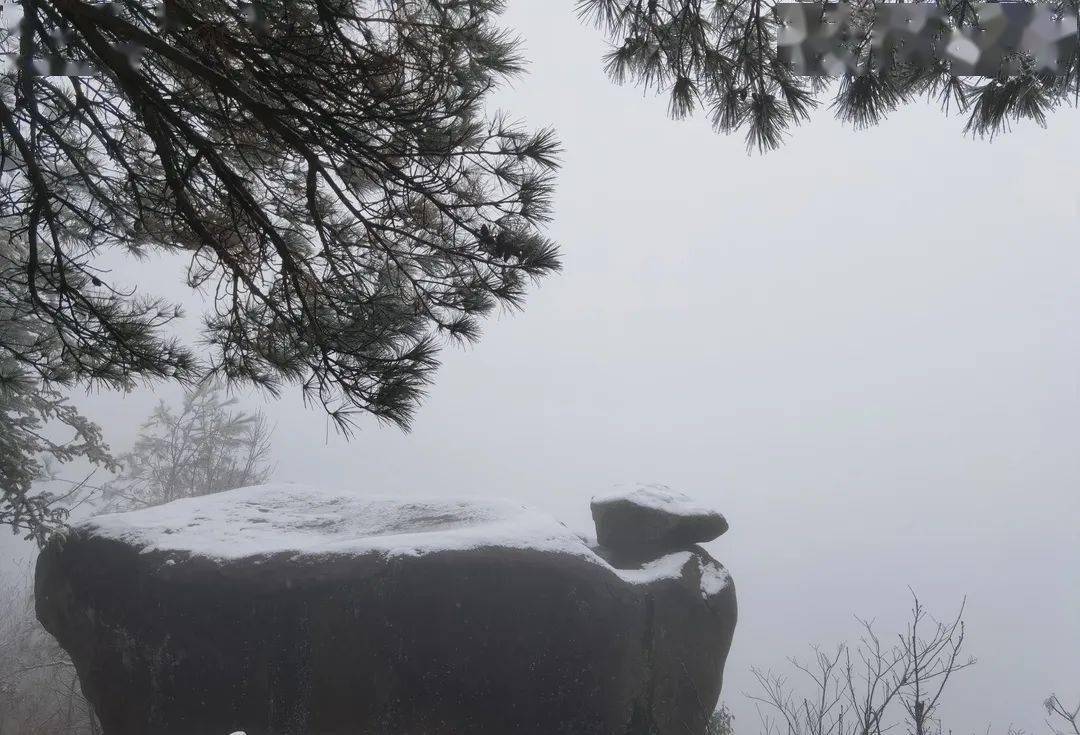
297	611
649	521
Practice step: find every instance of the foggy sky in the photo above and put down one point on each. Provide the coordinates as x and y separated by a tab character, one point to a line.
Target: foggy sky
863	348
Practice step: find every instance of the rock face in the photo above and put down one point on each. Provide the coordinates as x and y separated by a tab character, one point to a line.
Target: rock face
282	610
650	521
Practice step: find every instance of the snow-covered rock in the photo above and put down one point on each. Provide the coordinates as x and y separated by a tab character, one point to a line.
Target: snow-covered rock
288	609
649	521
302	521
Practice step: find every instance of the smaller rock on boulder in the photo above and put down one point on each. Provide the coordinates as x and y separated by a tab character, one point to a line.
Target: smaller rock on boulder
652	520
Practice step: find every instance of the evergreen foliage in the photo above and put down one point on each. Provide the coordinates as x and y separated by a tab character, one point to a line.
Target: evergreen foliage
721	722
30	417
327	165
720	56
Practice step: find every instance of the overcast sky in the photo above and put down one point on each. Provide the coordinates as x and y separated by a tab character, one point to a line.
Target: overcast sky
864	349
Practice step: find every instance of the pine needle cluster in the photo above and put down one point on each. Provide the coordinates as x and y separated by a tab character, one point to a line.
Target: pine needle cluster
721	56
328	167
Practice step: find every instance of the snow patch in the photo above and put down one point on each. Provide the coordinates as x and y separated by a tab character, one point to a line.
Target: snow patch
666	567
657	497
714	578
282	518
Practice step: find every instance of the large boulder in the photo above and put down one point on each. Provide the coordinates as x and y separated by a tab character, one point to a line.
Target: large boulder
651	520
297	611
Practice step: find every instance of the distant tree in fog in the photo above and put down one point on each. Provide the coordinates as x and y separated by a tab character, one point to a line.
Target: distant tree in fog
870	688
203	446
39	689
721	722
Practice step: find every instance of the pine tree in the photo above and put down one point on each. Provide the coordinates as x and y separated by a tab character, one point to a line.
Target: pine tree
721	56
31	415
327	166
721	722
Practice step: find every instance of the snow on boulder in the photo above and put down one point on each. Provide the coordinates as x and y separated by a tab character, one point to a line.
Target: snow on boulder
309	522
652	520
289	610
